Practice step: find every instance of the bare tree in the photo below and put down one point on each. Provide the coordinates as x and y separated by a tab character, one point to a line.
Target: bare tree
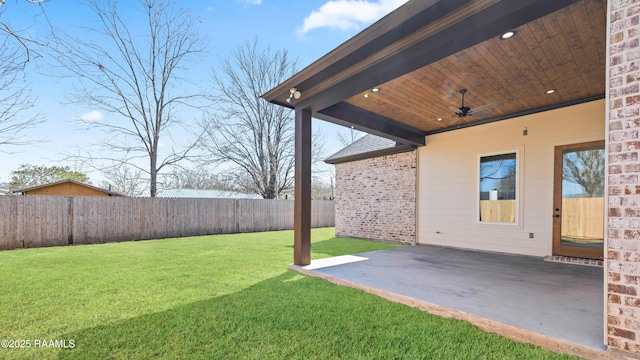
321	189
15	39
125	179
349	138
585	168
137	78
256	137
15	97
198	177
499	173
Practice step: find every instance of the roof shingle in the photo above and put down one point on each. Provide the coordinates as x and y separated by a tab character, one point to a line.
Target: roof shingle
367	147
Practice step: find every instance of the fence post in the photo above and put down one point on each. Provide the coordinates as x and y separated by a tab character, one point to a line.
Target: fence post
236	205
142	219
70	212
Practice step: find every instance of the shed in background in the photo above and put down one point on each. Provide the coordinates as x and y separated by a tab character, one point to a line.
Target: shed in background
67	188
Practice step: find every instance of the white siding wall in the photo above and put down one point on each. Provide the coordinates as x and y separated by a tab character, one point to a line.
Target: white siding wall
448	179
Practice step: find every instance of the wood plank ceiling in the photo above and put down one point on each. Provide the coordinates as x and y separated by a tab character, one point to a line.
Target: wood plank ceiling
564	51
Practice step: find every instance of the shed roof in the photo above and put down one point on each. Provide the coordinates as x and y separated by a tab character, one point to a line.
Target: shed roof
368	146
109	192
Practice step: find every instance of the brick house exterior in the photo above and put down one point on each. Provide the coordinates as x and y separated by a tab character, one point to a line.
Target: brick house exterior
376	193
376	198
391	57
623	279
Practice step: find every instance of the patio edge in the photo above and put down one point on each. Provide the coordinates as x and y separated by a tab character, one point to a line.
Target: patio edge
507	331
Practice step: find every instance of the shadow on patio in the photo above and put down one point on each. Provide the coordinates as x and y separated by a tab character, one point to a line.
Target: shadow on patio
555	305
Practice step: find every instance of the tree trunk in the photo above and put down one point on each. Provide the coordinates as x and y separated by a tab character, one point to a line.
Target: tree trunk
153	172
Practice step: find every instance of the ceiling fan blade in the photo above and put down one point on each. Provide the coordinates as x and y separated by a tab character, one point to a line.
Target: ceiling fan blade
480	115
454	109
484	107
455	120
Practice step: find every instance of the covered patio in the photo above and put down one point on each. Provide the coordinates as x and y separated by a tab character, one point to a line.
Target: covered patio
438	73
555	305
522	83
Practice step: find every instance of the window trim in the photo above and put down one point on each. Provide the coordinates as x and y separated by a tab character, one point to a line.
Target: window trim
518	189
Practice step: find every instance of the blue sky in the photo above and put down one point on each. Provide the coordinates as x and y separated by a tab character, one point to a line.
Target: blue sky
307	29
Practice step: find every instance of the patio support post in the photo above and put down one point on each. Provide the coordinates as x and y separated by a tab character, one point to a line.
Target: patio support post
302	192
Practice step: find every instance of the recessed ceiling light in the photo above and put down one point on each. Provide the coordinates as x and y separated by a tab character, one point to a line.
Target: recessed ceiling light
508	35
366	95
439	119
550	91
375	89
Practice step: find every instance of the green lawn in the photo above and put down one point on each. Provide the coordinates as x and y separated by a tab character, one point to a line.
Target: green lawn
218	297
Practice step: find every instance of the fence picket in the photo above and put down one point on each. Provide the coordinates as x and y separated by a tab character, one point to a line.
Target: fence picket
40	221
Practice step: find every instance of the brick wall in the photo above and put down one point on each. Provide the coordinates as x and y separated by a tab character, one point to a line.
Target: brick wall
623	265
376	198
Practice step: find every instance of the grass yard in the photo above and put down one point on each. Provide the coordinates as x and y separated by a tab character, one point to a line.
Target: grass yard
218	297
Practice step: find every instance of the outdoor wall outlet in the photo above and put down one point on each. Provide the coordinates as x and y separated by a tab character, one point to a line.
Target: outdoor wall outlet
530	235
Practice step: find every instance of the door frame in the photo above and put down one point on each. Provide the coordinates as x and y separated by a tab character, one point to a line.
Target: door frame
558	249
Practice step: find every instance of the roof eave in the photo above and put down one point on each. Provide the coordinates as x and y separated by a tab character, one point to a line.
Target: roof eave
407	39
378	34
370	154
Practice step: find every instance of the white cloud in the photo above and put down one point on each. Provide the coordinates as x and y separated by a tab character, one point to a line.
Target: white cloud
91	116
347	14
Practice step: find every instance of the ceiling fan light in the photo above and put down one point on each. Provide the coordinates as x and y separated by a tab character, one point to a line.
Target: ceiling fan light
508	35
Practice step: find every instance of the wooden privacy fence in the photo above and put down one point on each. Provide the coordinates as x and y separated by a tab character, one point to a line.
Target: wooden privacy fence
498	210
582	219
39	221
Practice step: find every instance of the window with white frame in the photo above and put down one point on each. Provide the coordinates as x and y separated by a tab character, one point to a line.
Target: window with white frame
498	188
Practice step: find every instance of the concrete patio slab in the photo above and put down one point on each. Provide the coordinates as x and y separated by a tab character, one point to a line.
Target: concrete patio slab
526	297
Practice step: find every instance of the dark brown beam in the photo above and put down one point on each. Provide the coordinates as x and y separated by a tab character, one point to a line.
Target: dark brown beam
488	23
350	115
400	23
302	191
410	18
